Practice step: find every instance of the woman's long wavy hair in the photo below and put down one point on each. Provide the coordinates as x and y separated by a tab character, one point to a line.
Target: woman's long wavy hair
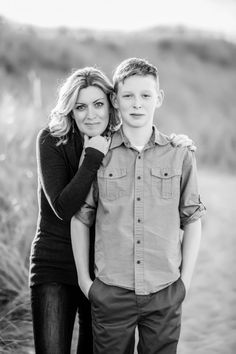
61	119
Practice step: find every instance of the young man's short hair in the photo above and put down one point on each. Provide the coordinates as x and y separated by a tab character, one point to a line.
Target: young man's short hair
133	66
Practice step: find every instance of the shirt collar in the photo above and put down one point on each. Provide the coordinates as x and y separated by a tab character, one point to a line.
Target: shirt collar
158	138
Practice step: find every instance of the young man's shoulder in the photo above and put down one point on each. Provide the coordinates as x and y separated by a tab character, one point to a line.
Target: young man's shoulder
164	139
175	157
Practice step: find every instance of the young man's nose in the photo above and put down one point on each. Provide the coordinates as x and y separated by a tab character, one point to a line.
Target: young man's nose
136	103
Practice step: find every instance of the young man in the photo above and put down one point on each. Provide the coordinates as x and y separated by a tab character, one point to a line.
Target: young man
146	191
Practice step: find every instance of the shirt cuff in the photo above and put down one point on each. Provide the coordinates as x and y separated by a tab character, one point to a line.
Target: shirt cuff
199	212
86	216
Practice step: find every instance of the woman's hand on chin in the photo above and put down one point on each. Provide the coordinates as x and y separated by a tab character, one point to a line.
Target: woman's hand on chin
98	142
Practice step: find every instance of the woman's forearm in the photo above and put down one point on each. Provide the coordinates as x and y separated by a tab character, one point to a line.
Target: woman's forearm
64	195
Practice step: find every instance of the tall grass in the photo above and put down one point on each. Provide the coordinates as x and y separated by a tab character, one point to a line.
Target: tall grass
18	213
15	317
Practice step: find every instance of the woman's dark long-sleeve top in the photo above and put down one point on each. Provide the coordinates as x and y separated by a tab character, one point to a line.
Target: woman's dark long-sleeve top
62	189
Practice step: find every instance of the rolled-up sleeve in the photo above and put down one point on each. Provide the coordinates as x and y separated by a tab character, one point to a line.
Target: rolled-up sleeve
87	213
190	208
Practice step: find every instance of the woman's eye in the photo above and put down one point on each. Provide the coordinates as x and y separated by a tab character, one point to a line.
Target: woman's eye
146	96
127	96
80	108
99	104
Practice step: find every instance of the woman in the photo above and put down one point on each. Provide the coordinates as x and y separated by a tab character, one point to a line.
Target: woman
83	109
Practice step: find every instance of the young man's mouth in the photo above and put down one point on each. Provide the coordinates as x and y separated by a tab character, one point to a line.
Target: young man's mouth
136	114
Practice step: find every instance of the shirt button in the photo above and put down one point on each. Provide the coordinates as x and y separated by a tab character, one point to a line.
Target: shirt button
139	220
139	157
138	262
139	177
138	199
110	174
165	174
138	242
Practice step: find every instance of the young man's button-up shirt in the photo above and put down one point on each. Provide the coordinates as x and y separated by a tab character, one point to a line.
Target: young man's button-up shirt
142	200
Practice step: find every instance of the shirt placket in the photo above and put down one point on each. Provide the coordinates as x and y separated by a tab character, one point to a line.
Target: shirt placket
138	226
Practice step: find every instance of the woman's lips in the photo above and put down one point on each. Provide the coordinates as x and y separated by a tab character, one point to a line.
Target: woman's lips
91	124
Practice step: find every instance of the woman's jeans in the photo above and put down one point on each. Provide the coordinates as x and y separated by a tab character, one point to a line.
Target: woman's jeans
54	308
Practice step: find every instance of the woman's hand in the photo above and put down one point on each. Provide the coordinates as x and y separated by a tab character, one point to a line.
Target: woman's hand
98	142
182	140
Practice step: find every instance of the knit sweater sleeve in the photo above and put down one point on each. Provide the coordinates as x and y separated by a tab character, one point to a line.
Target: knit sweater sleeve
65	195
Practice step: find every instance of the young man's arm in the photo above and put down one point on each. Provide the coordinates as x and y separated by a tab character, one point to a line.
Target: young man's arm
191	211
190	250
80	245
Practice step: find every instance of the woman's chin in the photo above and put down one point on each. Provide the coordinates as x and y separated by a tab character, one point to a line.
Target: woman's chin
92	134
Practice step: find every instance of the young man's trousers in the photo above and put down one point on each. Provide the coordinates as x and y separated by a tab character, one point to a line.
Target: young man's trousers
116	312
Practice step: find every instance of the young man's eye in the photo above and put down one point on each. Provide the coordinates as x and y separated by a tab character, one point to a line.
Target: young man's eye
146	95
127	96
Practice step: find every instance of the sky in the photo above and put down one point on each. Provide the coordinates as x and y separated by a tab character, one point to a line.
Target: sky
217	16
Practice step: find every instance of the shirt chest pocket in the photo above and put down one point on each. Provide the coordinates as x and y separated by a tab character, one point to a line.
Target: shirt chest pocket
112	183
166	182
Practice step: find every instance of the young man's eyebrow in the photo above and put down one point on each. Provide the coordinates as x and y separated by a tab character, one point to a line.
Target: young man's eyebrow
131	91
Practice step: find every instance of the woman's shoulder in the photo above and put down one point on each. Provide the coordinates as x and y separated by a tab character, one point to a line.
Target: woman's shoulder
45	141
44	136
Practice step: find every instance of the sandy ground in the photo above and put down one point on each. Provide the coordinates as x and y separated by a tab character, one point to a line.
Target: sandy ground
209	311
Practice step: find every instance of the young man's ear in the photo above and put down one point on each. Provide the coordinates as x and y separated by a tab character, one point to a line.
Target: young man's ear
160	98
114	100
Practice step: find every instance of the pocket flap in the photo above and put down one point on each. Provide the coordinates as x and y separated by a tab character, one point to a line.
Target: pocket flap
165	172
112	173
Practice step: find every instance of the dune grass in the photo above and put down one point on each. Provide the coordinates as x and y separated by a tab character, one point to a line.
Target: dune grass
15	316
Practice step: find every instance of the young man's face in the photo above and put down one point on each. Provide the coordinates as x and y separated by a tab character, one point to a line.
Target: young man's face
136	99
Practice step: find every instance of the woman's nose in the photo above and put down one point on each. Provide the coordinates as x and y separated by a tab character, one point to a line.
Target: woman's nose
90	113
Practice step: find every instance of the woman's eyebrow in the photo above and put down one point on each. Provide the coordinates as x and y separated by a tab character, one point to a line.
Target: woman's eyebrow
97	99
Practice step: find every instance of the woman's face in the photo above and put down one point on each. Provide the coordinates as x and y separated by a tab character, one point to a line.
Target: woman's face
91	111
